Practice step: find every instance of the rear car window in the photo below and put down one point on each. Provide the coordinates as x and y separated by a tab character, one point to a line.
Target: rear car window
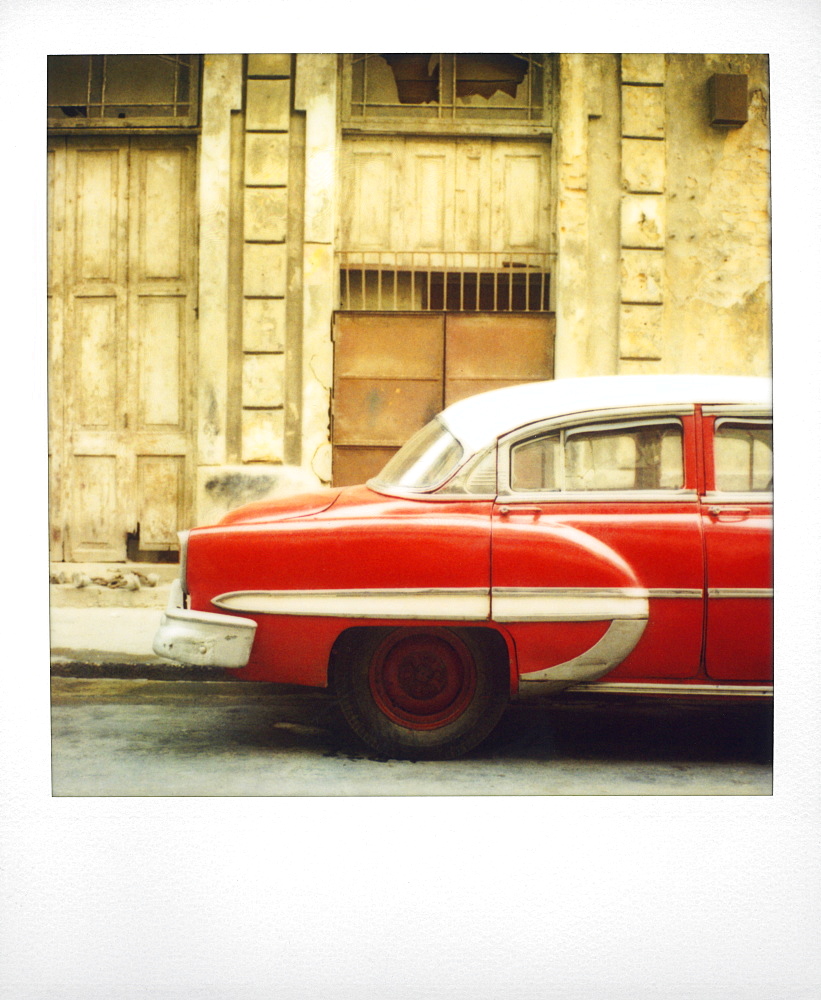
743	453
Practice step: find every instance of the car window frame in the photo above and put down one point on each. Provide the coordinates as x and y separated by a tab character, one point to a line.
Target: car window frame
731	413
605	419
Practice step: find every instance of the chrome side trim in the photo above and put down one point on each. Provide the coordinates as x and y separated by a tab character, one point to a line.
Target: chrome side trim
524	604
616	643
637	687
502	604
746	592
676	592
472	604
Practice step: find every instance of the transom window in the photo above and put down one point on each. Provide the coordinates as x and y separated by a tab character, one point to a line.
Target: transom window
507	87
625	456
743	453
122	90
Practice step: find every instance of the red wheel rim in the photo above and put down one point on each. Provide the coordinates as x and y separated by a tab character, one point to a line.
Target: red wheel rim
422	680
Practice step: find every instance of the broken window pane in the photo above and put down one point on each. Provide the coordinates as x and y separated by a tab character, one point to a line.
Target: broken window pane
501	86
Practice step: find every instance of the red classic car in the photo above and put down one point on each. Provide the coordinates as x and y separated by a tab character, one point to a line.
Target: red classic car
609	532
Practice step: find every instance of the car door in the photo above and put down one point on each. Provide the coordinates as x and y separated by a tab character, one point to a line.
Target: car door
596	525
737	517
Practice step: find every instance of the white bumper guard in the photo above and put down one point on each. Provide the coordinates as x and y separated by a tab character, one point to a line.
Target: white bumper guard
201	638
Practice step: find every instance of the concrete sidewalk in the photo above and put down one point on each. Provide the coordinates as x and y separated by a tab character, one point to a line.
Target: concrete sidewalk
103	619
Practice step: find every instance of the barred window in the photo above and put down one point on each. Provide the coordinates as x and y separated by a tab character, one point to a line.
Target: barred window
122	91
448	90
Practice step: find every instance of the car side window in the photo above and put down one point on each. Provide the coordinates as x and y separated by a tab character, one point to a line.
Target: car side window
478	477
646	455
743	451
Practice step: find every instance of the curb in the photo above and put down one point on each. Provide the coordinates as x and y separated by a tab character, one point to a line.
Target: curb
109	667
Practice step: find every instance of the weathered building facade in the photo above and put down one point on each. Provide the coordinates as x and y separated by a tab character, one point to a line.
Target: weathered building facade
267	271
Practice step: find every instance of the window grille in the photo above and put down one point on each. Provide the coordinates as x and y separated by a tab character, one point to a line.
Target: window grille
122	91
454	282
441	91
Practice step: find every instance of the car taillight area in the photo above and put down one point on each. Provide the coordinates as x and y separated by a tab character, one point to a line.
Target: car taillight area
183	577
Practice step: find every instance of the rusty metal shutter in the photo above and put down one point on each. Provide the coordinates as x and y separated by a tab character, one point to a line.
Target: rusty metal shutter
394	371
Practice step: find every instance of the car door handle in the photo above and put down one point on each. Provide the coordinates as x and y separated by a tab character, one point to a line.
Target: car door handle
520	509
737	513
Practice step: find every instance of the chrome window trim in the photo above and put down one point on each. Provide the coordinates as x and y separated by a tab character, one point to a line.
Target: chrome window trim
430	497
634	417
600	496
746	498
735	410
739	496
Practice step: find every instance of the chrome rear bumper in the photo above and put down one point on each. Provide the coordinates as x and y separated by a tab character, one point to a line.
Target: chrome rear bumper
202	638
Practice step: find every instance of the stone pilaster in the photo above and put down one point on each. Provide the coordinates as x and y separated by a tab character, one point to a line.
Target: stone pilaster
221	98
264	266
316	95
643	217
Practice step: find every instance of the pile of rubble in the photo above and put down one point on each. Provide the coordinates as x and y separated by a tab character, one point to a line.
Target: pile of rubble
114	580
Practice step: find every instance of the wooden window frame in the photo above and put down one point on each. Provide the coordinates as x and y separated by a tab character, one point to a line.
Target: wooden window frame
148	121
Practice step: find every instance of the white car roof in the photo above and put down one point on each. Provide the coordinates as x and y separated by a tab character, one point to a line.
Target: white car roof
480	419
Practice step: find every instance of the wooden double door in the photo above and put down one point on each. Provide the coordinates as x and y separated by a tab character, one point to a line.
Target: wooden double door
122	305
393	372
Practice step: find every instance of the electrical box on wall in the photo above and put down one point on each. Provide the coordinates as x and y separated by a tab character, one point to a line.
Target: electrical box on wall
728	99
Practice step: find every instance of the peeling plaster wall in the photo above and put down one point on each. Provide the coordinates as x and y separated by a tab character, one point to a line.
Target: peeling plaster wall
662	221
717	259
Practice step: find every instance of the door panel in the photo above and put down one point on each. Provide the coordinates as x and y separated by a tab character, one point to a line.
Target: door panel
658	547
393	372
738	544
99	205
407	193
375	345
122	291
95	528
492	350
161	491
384	411
387	384
161	339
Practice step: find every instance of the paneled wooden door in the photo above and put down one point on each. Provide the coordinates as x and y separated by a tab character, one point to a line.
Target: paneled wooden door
122	301
393	372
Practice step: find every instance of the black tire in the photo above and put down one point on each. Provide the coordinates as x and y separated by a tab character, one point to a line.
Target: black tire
422	693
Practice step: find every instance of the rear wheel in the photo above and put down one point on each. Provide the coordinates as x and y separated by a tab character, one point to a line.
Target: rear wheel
423	693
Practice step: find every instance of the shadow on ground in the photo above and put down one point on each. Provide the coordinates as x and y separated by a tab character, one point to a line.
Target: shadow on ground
220	716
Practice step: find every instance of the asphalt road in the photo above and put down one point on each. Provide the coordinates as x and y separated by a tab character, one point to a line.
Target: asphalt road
214	738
